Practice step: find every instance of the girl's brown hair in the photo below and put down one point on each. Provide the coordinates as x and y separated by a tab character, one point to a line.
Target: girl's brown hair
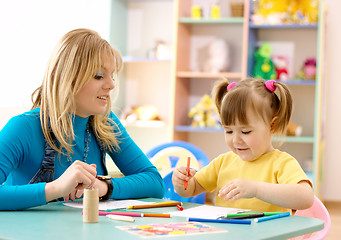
274	108
74	61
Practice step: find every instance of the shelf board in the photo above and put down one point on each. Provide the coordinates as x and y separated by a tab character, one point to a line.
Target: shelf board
296	82
300	139
184	74
311	25
224	20
134	59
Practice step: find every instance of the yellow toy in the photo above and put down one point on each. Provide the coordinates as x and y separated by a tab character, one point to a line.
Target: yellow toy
204	114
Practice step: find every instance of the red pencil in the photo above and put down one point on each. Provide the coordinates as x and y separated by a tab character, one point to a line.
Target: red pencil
188	166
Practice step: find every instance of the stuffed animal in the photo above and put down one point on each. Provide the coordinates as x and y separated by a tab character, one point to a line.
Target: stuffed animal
294	129
264	67
281	66
308	70
218	57
204	114
144	113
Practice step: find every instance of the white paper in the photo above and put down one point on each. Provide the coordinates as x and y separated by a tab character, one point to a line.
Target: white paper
205	211
110	204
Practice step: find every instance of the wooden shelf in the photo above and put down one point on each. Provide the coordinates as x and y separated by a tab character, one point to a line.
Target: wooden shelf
229	20
300	26
209	75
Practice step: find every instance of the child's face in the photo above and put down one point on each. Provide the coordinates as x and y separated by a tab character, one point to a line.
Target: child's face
250	141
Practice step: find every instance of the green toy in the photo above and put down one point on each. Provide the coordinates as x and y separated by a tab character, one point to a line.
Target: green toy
264	67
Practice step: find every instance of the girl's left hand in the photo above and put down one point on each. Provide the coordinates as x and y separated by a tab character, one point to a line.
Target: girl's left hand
238	188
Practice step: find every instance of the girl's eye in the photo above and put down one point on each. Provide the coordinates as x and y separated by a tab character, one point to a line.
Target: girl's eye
246	132
228	132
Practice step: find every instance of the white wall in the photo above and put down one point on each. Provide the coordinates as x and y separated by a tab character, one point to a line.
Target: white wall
29	31
331	188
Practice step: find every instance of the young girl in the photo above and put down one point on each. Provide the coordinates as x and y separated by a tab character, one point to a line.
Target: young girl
253	175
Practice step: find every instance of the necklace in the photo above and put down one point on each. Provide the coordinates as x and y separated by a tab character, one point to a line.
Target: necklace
86	145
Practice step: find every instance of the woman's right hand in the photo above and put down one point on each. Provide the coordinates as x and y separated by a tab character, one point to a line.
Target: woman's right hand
78	176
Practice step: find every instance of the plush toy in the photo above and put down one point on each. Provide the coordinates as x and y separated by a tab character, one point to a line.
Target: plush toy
264	67
218	59
294	129
204	114
281	66
144	113
308	70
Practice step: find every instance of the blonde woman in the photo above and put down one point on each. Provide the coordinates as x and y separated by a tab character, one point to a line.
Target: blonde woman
58	149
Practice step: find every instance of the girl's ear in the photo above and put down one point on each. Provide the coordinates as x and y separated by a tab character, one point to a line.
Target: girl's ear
273	123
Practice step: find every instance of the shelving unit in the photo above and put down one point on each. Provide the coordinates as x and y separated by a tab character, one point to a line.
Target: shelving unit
136	25
243	36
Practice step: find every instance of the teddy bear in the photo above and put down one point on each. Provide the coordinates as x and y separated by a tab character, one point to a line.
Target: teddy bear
218	58
264	67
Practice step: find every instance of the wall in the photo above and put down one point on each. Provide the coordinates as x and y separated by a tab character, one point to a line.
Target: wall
29	31
331	189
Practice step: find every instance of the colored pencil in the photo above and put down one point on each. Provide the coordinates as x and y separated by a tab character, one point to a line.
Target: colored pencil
131	214
233	221
280	215
155	205
188	167
121	218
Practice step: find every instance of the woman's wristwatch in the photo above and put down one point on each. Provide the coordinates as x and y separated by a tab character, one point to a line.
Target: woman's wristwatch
106	179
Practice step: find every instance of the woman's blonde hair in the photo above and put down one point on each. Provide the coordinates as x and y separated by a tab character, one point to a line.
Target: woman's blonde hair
74	61
273	107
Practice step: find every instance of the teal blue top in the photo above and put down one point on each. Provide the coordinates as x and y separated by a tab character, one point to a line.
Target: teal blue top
22	151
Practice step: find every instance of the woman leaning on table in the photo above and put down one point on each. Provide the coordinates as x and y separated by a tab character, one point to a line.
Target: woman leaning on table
58	149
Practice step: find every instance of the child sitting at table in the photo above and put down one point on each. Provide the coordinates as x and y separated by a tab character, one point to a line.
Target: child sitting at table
253	175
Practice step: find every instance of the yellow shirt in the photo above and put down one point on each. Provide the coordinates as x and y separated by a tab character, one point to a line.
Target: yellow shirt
273	167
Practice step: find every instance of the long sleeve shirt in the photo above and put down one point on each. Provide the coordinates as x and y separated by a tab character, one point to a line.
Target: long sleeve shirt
22	150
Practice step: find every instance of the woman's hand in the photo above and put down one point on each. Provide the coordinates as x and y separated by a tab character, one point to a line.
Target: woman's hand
72	182
238	188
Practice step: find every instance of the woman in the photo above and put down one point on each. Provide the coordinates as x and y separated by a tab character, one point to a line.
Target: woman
58	149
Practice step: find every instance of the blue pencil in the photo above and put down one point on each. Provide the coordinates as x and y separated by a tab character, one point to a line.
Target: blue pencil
280	215
234	221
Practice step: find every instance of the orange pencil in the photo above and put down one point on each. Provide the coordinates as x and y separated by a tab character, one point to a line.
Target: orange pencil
155	205
163	215
188	166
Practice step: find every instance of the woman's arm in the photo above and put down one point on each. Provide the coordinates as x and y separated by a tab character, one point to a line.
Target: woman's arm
141	177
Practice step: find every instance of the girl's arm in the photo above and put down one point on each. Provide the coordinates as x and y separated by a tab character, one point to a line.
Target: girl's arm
141	177
293	196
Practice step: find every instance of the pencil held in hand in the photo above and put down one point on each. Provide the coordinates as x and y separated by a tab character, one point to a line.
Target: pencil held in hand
188	166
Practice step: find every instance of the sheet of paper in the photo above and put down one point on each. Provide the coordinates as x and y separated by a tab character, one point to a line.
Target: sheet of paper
205	211
110	204
172	229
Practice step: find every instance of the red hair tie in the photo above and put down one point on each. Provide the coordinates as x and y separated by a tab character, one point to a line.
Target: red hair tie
231	85
270	85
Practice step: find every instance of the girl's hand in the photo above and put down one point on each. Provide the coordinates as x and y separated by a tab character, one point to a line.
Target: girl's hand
238	188
180	176
72	182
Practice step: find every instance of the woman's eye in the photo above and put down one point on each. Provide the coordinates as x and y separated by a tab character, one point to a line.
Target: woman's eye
98	76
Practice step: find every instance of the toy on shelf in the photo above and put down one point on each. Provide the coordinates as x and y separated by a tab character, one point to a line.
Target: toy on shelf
281	66
275	12
196	11
264	67
294	129
218	59
204	114
215	11
308	70
141	113
237	8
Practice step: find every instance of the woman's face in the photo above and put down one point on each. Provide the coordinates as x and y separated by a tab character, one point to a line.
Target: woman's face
92	99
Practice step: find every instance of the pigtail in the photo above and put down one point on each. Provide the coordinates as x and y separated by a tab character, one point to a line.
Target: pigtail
285	106
218	92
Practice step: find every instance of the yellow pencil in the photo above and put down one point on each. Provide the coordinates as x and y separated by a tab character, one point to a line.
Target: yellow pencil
121	218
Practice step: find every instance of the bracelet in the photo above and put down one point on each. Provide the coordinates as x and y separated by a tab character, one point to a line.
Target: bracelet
106	179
